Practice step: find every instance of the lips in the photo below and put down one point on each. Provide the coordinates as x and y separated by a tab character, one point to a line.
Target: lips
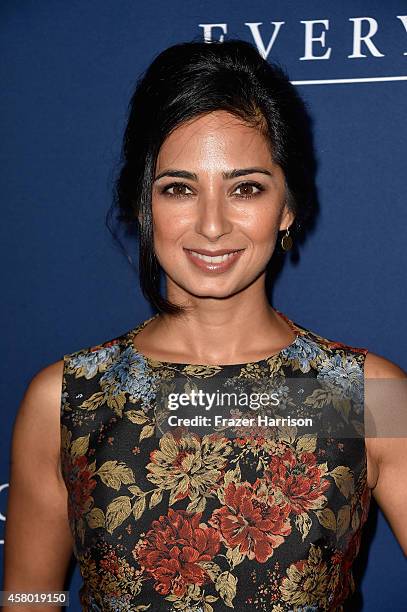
214	253
213	261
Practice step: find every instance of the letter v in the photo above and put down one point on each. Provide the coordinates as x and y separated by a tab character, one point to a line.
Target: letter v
254	28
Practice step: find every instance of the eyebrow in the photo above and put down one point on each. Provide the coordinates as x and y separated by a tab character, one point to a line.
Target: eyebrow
226	175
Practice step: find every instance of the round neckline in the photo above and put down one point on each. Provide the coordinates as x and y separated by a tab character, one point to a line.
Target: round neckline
132	333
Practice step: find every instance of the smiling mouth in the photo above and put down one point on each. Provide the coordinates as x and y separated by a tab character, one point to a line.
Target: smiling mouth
214	259
214	262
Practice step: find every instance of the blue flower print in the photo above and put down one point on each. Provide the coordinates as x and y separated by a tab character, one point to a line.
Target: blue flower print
344	373
90	363
130	374
304	351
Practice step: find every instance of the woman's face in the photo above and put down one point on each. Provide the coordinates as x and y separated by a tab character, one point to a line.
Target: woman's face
216	189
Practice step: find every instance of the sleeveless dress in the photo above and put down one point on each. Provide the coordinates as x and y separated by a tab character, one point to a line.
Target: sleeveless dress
203	523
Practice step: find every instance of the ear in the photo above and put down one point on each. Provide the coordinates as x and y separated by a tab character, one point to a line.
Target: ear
287	218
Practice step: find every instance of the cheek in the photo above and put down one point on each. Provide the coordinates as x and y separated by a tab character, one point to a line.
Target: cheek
167	230
262	226
163	226
170	222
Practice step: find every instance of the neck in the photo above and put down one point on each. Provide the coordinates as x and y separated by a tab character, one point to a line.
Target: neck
241	327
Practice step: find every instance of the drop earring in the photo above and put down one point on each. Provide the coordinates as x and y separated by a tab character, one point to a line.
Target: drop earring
286	241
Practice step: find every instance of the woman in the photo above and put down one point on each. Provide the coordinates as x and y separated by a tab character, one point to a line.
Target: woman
218	173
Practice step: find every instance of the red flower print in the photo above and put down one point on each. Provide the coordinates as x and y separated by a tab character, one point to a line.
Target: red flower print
80	484
252	523
299	479
110	563
97	347
344	561
173	548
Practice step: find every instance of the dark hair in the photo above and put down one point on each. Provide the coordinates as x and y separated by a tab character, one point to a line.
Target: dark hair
190	79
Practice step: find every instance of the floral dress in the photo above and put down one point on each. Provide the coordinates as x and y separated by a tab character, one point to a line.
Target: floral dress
209	522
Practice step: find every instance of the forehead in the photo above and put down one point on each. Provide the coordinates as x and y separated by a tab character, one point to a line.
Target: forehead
215	138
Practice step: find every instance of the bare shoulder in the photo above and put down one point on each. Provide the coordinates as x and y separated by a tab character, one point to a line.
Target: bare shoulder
377	366
47	380
37	424
42	397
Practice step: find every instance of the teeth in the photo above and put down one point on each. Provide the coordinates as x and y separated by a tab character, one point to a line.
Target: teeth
217	259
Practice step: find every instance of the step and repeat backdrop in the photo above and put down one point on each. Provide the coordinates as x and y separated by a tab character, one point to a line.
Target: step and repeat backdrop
67	73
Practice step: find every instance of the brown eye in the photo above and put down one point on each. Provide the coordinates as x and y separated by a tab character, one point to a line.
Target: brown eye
178	190
249	190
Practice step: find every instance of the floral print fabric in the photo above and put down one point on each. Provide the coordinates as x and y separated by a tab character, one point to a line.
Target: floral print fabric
206	523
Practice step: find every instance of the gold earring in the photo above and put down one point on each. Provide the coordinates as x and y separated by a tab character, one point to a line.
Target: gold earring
286	241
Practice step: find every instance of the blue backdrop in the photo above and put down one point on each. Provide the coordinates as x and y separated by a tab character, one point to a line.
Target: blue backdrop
67	73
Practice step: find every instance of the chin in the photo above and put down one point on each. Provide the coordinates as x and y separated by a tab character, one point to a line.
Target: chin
215	289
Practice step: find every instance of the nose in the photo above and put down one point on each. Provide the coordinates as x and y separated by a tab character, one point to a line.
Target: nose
212	219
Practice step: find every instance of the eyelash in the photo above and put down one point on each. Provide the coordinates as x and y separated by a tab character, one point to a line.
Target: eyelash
260	187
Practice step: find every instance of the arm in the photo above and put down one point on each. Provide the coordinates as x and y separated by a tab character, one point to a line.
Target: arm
387	458
38	542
